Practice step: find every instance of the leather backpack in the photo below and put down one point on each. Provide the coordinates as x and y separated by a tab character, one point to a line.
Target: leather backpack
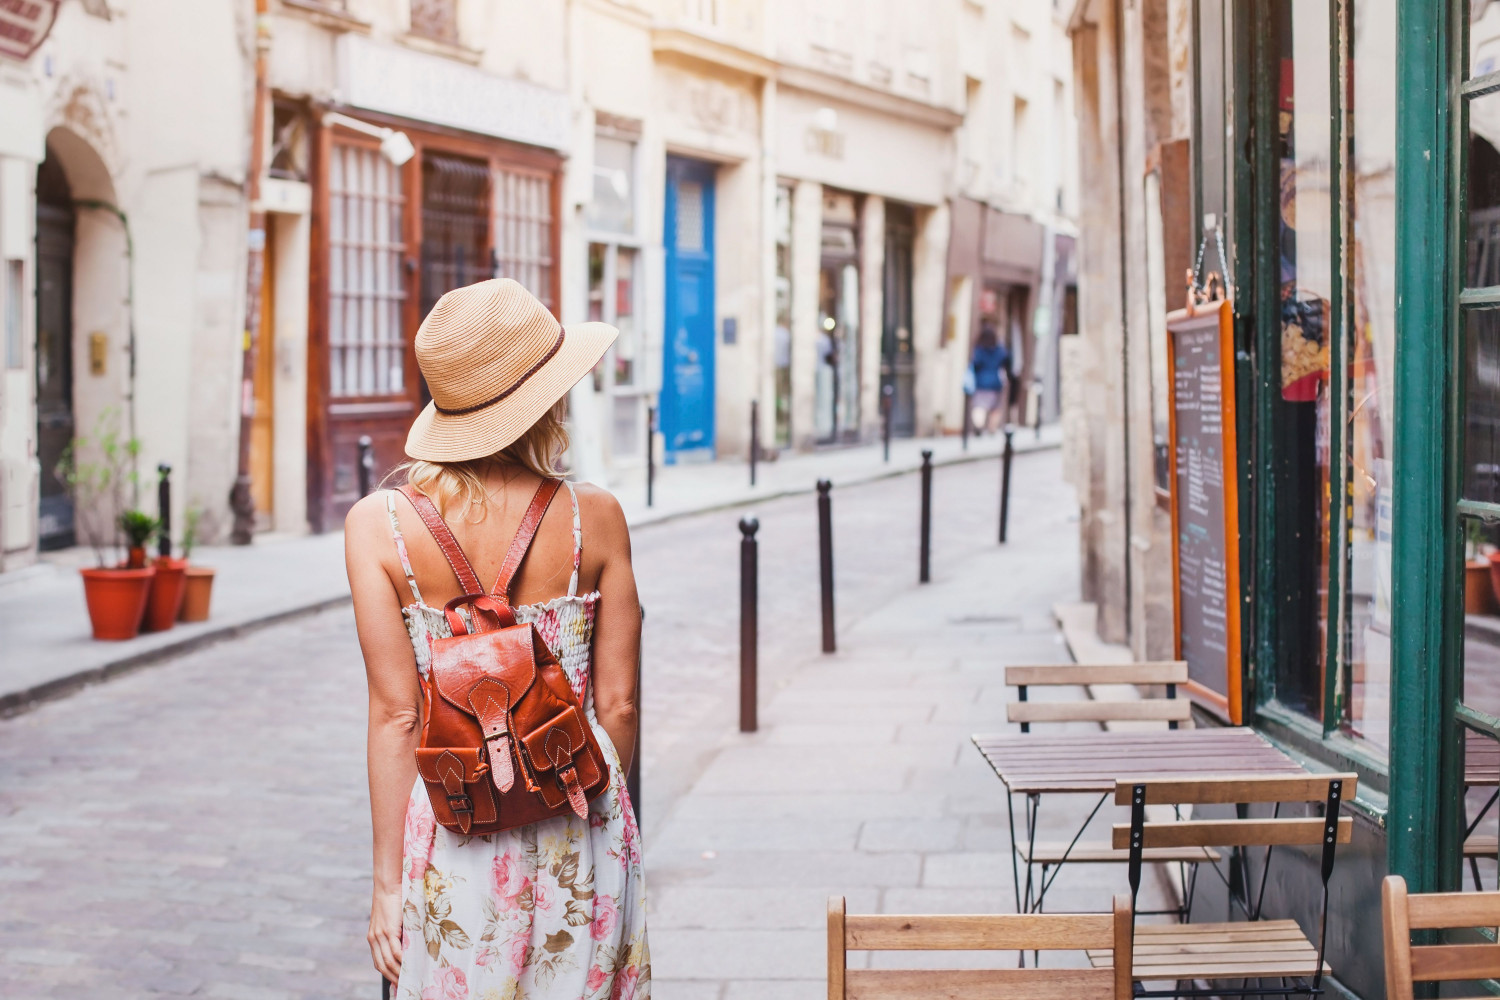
505	741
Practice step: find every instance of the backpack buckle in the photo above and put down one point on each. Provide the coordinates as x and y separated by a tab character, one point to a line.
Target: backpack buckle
460	803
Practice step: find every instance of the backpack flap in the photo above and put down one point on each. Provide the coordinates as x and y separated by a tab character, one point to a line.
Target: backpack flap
455	780
462	661
562	754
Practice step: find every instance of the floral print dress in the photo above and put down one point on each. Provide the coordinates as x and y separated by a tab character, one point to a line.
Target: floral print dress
551	911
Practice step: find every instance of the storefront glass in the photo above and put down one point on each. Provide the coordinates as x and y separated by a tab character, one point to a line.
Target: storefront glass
1301	413
614	276
782	348
836	384
1369	354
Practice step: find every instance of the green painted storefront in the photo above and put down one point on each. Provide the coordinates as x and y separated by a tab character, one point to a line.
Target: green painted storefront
1362	499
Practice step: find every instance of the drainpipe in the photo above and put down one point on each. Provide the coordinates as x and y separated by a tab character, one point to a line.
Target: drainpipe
239	497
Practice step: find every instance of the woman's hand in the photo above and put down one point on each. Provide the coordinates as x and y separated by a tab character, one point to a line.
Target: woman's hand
385	933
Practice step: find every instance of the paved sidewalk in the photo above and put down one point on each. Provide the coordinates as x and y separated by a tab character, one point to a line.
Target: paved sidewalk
862	782
44	629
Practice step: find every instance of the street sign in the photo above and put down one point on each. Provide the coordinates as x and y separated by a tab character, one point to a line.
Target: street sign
24	25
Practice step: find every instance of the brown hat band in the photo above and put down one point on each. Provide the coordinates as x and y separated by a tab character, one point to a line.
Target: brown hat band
556	346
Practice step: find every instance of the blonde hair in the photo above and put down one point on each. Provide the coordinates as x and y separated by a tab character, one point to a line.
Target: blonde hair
539	451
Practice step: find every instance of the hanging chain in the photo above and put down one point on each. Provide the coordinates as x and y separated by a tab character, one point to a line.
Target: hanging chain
1198	283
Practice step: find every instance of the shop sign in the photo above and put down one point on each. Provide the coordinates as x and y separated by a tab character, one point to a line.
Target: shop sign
428	88
24	25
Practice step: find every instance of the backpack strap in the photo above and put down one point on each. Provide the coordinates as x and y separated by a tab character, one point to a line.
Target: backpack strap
524	534
468	580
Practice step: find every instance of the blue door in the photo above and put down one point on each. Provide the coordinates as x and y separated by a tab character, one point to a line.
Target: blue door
687	392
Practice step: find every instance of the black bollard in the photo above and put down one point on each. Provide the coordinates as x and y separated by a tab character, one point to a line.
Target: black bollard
968	417
650	452
749	597
754	437
164	510
633	779
825	561
924	574
887	404
1005	457
366	465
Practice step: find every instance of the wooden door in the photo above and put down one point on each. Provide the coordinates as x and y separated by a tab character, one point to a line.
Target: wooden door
54	348
687	395
262	436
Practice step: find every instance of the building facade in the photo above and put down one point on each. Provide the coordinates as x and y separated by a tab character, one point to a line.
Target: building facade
122	234
800	215
1337	164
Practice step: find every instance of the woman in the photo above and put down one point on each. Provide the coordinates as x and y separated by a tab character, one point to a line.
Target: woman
555	909
988	366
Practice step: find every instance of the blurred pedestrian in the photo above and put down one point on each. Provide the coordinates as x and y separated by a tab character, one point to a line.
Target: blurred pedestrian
989	366
554	909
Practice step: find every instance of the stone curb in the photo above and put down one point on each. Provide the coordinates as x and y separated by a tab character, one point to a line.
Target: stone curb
17	702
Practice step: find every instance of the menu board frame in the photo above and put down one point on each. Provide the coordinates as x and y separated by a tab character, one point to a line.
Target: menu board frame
1228	703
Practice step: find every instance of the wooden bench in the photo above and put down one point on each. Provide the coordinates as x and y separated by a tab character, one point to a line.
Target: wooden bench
1169	709
1406	964
1098	933
1249	950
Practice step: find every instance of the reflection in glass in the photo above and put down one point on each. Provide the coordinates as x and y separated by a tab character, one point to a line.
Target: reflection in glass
1481	476
782	354
612	208
1300	430
1370	355
627	346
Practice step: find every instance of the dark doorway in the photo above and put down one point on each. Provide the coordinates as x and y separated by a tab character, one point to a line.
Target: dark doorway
898	362
455	225
54	348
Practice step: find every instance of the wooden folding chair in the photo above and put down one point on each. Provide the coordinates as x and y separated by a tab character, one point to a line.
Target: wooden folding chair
1168	708
1406	964
1253	949
1100	933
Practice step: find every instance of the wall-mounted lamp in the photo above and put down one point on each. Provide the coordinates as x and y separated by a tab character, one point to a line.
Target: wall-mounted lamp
394	146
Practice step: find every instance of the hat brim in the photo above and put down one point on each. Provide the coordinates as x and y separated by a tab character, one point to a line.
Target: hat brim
441	437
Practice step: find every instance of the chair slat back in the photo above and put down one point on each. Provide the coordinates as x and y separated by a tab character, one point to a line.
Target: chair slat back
979	932
1091	710
1406	963
1075	674
1233	833
1235	788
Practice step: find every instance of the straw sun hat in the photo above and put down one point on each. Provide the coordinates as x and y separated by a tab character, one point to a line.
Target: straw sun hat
495	361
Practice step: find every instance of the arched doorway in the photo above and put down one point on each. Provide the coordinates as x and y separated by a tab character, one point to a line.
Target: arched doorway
55	238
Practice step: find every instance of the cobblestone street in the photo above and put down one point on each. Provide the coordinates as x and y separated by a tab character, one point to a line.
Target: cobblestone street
200	827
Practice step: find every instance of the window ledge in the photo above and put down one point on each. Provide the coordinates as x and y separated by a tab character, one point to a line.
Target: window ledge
437	47
1304	742
325	15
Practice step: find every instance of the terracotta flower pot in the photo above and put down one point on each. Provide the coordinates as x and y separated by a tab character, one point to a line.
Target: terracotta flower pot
135	557
198	584
116	600
166	595
1479	591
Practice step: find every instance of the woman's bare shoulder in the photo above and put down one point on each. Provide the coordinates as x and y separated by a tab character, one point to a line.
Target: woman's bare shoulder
368	519
603	518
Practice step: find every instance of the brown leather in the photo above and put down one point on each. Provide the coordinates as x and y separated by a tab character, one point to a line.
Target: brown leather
505	741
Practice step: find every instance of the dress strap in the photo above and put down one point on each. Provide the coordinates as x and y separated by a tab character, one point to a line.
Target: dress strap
577	540
411	578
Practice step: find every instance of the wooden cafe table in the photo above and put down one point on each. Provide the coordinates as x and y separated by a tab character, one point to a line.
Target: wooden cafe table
1036	764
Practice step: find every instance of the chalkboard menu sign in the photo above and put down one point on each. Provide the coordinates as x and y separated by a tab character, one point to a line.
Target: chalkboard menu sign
1204	505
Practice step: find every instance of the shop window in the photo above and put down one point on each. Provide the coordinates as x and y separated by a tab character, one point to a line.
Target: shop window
366	277
522	230
1369	353
1299	433
435	19
612	208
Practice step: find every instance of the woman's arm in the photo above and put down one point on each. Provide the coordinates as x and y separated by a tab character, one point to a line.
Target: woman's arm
617	629
395	701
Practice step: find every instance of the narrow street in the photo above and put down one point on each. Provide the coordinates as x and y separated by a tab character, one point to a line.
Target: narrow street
200	827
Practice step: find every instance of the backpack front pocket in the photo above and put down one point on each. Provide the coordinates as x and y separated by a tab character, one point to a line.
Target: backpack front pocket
457	783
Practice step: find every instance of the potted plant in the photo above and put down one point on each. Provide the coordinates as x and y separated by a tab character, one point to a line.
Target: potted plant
95	472
198	581
1479	590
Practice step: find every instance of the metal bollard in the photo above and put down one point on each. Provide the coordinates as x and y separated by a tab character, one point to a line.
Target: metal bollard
887	404
164	510
754	436
825	561
650	452
366	465
968	417
924	574
749	599
1005	457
